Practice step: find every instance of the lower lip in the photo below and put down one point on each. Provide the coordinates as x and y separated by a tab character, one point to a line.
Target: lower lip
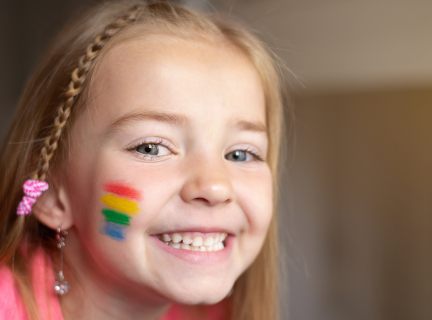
197	256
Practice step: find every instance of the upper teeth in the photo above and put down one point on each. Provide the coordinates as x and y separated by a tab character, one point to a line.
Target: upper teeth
185	241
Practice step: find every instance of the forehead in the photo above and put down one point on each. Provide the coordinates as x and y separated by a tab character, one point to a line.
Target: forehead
164	73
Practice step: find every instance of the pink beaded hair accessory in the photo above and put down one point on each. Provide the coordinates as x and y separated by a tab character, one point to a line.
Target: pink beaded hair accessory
32	191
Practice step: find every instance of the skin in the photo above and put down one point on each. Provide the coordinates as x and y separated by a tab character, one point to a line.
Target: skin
216	97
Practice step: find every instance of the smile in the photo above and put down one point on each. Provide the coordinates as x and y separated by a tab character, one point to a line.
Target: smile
194	241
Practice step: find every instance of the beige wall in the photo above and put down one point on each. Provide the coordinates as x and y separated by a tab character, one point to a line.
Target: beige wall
340	44
360	190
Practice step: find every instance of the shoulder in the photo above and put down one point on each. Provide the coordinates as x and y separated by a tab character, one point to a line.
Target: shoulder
11	304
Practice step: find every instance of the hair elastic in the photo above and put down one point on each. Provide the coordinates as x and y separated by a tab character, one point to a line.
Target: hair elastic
32	191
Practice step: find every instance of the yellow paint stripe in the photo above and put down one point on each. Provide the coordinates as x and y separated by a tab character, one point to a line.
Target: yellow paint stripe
120	204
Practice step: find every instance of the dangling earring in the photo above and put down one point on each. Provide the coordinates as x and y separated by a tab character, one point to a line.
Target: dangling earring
61	286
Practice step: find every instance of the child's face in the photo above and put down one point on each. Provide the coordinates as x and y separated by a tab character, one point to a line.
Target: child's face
170	142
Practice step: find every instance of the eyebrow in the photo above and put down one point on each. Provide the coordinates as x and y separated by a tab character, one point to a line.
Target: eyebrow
249	126
170	118
179	120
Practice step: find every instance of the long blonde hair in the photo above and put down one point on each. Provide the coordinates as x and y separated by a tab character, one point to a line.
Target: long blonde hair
53	97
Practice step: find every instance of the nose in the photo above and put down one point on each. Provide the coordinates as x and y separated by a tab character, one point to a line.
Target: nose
208	183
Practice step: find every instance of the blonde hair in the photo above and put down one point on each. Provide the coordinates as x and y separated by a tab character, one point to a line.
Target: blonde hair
53	97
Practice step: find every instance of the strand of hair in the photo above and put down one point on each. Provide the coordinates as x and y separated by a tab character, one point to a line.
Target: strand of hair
78	78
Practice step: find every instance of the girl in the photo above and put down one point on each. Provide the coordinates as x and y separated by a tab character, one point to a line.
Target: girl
149	136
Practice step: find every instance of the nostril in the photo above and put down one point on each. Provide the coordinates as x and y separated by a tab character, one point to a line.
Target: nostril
202	200
208	202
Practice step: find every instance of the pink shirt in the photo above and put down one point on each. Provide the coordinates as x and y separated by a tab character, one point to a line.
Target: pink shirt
12	305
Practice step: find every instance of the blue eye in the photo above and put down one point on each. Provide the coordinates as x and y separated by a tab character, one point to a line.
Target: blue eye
238	155
150	149
155	149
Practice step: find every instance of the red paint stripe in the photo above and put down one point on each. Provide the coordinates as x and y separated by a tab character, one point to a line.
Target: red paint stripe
122	190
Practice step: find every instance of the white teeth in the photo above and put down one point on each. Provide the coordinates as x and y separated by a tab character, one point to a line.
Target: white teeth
166	237
176	238
209	241
210	244
187	239
218	246
198	241
185	246
174	245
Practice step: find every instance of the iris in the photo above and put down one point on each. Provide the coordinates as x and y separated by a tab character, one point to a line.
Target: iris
148	149
237	155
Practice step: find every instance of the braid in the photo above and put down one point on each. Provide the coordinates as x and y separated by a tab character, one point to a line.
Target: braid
78	78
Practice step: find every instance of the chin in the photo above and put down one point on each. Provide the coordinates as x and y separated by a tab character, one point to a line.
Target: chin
198	293
203	298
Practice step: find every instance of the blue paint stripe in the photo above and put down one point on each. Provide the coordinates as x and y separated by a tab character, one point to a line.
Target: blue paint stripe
113	230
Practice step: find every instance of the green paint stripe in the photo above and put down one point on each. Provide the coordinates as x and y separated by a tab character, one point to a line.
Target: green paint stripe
116	217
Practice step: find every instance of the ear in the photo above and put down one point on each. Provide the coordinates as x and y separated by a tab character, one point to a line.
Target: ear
53	208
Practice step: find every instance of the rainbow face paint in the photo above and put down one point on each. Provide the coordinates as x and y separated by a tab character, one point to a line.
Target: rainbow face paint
120	204
120	211
122	191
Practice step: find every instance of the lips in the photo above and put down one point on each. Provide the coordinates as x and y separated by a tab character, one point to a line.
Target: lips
194	241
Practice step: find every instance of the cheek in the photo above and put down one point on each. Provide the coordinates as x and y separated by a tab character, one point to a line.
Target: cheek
255	197
257	201
113	204
114	198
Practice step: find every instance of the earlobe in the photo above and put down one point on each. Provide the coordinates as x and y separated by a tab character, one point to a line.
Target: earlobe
53	209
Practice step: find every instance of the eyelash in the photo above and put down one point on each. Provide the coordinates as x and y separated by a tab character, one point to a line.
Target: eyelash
254	154
160	142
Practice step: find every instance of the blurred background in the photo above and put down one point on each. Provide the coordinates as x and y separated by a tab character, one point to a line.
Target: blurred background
356	205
